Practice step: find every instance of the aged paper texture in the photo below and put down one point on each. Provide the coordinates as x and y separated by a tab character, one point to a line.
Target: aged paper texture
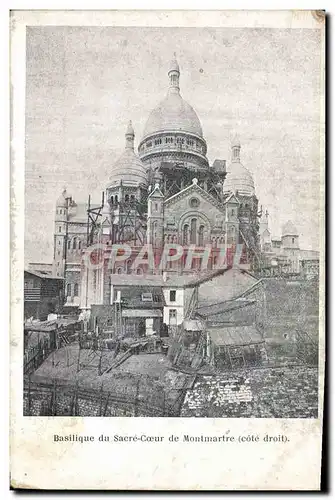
167	295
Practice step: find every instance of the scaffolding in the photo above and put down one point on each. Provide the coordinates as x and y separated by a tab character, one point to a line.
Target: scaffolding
127	221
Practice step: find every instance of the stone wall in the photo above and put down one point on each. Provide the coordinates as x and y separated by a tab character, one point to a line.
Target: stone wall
259	393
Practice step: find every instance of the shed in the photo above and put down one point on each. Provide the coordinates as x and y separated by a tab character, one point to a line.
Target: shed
234	346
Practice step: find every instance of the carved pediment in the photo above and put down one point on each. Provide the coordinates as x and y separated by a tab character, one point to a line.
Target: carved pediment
199	194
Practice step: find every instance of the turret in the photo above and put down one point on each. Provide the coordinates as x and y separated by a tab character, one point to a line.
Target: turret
60	233
155	231
290	236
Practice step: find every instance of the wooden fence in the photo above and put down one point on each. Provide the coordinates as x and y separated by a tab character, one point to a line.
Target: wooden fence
51	396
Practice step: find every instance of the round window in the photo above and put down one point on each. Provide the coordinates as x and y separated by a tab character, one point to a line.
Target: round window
194	202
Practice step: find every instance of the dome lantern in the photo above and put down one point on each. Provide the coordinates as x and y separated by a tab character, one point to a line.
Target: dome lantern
236	149
130	136
174	73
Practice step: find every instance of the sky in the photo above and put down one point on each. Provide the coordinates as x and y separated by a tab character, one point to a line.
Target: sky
83	85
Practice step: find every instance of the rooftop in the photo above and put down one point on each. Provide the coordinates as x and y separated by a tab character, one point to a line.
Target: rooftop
43	274
235	335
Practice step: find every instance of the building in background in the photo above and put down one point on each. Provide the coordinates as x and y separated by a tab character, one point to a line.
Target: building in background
284	255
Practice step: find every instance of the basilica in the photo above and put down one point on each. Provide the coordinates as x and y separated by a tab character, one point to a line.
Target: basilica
166	192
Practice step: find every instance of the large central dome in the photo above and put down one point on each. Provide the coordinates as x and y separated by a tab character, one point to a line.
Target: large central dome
173	133
173	114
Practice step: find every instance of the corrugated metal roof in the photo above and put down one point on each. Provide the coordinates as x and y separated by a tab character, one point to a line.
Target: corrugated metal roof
235	335
142	313
42	274
48	326
150	280
136	280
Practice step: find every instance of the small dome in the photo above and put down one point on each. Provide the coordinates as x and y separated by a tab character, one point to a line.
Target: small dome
61	201
240	179
289	229
129	169
173	114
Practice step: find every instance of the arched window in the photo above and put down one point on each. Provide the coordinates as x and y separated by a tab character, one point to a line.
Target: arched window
68	290
129	263
201	235
193	231
79	245
69	244
119	270
76	290
74	246
59	229
132	197
139	271
126	198
185	234
112	200
116	199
